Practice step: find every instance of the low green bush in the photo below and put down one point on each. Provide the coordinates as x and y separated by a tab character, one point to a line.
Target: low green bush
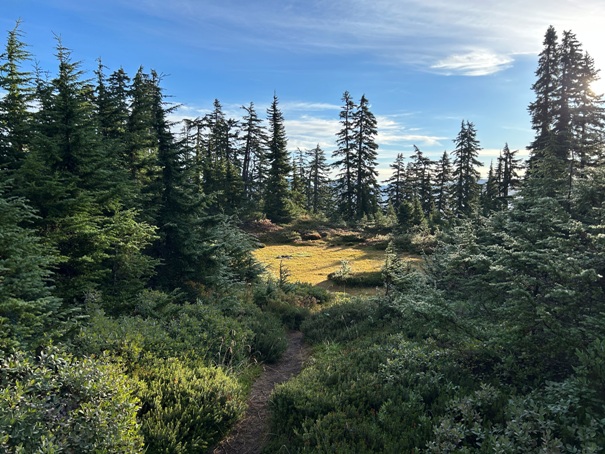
291	305
343	322
362	279
58	403
186	407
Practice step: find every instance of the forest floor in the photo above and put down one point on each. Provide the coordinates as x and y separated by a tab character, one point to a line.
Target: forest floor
251	433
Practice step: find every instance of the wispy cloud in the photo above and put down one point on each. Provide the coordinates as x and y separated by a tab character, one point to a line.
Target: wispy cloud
429	34
475	63
391	131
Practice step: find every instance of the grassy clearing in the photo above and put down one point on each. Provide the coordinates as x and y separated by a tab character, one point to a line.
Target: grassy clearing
312	262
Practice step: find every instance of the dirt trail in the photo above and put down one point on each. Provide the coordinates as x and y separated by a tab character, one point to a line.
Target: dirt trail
250	434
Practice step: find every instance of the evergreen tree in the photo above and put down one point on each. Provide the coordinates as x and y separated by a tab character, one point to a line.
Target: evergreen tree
345	160
395	189
410	215
111	112
318	180
567	116
489	195
221	167
420	179
300	182
254	161
29	314
15	116
64	179
466	188
543	109
507	173
142	140
443	186
364	160
277	195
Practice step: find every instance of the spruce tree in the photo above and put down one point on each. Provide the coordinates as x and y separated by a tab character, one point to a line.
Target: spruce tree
489	195
466	188
395	189
318	180
543	109
299	184
443	186
254	160
277	195
345	160
420	179
15	115
508	173
364	160
29	313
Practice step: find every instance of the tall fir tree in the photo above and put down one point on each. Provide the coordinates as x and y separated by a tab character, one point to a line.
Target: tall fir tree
420	179
29	313
318	180
466	188
395	189
567	116
443	185
254	156
366	152
543	109
507	173
16	102
344	160
277	194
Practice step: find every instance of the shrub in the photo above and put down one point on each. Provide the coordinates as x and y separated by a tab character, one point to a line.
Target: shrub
342	322
186	408
310	236
58	403
363	279
286	305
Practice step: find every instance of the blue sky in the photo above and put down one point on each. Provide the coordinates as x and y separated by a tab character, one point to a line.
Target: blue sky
425	65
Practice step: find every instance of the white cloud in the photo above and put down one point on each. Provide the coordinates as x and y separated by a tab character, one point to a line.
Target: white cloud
393	132
306	132
474	63
435	33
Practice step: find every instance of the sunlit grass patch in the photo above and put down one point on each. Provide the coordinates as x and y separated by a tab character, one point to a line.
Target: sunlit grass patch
313	262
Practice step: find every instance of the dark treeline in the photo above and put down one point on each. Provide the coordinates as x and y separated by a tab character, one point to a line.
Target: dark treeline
129	292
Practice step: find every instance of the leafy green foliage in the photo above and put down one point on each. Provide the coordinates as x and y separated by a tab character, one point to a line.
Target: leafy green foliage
56	403
186	408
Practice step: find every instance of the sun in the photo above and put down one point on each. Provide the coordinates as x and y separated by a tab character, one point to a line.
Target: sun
598	87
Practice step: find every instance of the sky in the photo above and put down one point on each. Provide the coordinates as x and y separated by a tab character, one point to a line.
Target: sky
424	65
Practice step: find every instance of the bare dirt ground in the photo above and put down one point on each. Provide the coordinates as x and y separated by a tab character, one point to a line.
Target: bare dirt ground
251	433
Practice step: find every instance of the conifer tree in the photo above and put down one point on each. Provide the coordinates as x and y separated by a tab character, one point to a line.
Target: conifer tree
507	173
220	164
63	177
318	180
277	195
543	109
254	161
15	116
29	314
567	115
142	141
490	200
299	185
364	160
443	186
466	188
420	179
345	160
395	189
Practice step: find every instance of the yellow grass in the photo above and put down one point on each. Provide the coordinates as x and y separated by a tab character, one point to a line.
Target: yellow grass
312	262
